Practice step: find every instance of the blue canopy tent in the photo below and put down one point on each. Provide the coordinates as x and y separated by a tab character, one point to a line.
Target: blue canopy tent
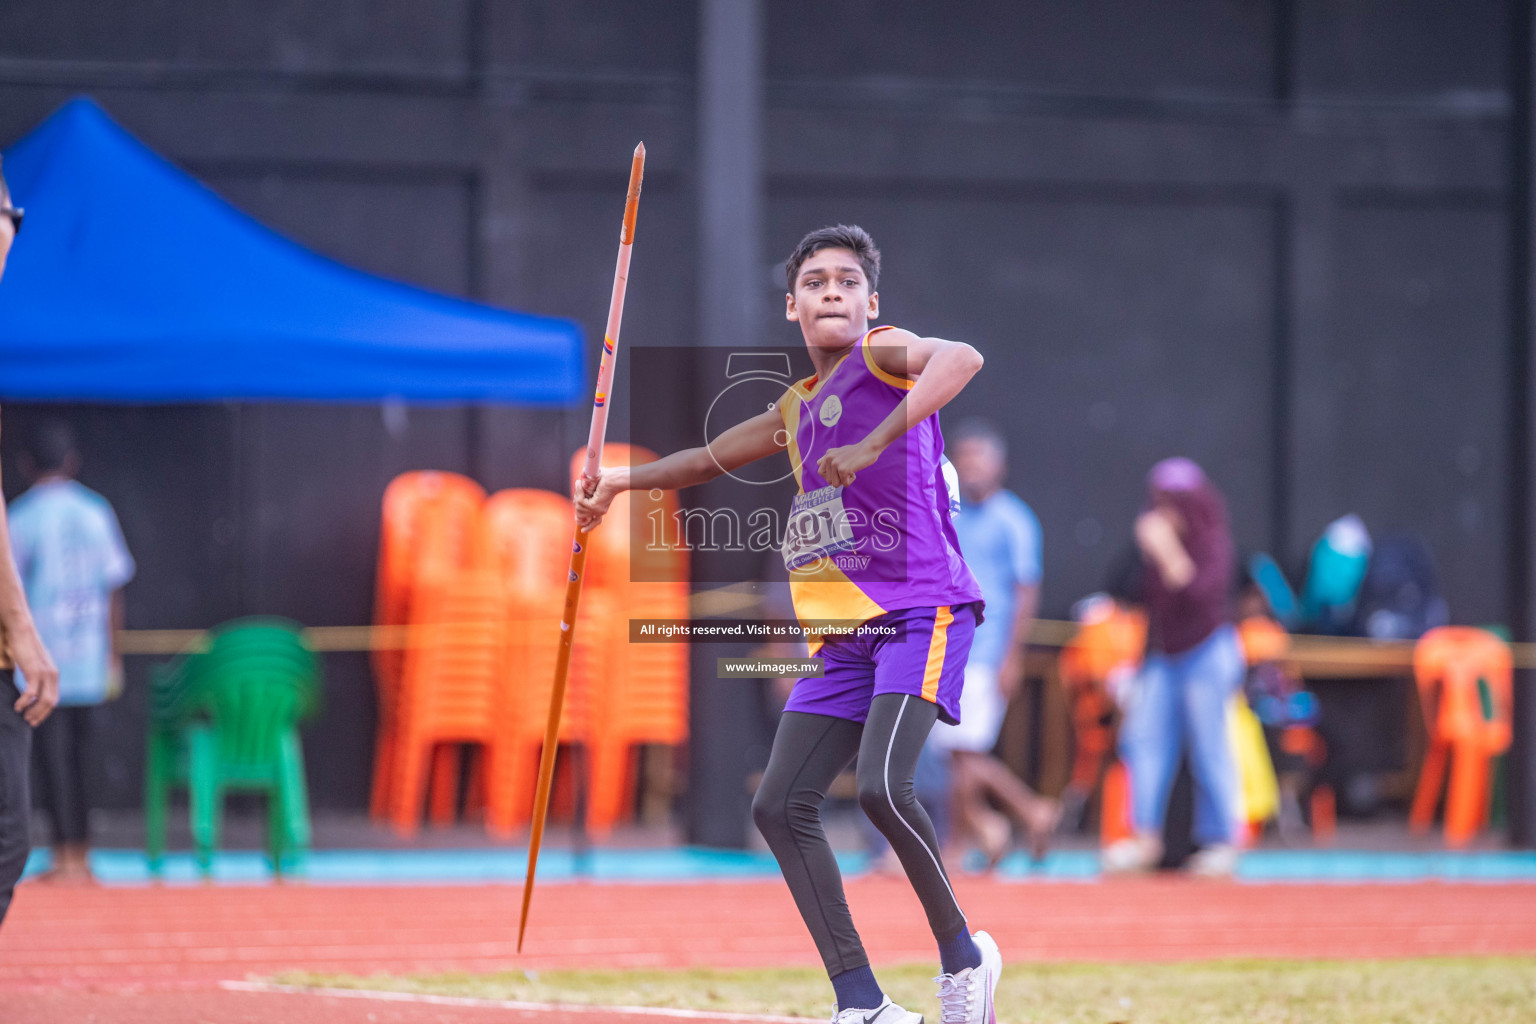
135	283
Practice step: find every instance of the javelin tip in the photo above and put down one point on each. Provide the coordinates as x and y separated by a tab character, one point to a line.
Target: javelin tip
640	150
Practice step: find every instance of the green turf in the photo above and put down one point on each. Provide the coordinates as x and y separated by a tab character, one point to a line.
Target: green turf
1453	991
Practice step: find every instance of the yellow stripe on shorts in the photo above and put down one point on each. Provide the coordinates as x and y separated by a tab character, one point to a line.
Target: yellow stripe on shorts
936	647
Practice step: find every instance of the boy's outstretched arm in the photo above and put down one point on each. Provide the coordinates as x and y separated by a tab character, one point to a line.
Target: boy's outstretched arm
757	438
941	368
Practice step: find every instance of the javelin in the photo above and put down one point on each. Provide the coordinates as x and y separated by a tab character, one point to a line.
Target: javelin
579	550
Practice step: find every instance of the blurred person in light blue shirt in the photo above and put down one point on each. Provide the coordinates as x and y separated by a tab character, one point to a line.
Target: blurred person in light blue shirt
73	564
1000	539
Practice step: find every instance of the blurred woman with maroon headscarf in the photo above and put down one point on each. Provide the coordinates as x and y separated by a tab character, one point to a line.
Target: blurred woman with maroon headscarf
1194	664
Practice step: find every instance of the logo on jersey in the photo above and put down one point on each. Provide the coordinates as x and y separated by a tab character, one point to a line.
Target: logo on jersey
831	411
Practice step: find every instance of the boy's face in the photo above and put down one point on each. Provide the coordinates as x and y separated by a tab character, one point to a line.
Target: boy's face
832	302
981	467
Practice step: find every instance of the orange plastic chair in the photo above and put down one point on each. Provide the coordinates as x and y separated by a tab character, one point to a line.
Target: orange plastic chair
450	681
1109	641
1115	796
427	525
428	516
1465	678
447	541
525	540
643	698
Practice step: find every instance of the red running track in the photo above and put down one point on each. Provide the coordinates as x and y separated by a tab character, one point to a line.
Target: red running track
213	1006
164	939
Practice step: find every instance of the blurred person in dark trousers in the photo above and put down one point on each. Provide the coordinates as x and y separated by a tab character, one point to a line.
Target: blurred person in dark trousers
1194	665
20	647
1000	538
73	563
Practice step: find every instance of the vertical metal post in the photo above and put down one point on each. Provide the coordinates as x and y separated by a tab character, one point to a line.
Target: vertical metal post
1521	762
730	312
730	98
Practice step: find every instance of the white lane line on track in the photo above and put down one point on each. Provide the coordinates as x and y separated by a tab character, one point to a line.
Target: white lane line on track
508	1004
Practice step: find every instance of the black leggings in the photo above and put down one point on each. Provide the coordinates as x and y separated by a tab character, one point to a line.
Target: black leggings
62	748
809	751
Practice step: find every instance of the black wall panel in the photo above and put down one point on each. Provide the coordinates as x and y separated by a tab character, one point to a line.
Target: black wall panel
1096	48
411	226
577	37
286	35
1401	49
1407	405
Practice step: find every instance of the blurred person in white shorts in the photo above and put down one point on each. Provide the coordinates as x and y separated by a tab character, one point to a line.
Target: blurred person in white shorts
1000	539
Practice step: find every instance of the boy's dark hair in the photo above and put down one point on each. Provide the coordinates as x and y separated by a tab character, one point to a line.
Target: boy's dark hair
50	444
840	236
977	429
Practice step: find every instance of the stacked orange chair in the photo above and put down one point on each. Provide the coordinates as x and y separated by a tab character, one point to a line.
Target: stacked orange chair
525	539
1465	678
428	526
450	683
1109	642
643	697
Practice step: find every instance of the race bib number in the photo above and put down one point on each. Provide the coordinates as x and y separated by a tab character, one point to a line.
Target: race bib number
818	527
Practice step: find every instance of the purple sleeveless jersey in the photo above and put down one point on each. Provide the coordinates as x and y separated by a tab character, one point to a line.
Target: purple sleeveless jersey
880	552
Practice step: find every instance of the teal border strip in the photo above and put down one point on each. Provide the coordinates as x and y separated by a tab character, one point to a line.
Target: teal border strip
694	864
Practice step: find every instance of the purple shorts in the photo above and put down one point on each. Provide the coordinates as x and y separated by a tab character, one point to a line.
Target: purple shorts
917	651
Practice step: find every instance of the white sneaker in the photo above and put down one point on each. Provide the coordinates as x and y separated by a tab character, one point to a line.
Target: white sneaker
1131	855
1217	861
886	1013
966	997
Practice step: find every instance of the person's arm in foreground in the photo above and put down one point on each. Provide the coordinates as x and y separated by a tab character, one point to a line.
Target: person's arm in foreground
1026	603
1159	540
1025	556
117	622
26	647
942	369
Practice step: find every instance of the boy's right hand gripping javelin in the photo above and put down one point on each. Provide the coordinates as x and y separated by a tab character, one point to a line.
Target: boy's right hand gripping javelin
591	500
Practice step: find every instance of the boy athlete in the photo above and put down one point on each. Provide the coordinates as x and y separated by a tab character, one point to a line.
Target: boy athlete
869	541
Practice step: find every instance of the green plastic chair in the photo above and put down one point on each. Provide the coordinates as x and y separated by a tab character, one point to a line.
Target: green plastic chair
226	718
